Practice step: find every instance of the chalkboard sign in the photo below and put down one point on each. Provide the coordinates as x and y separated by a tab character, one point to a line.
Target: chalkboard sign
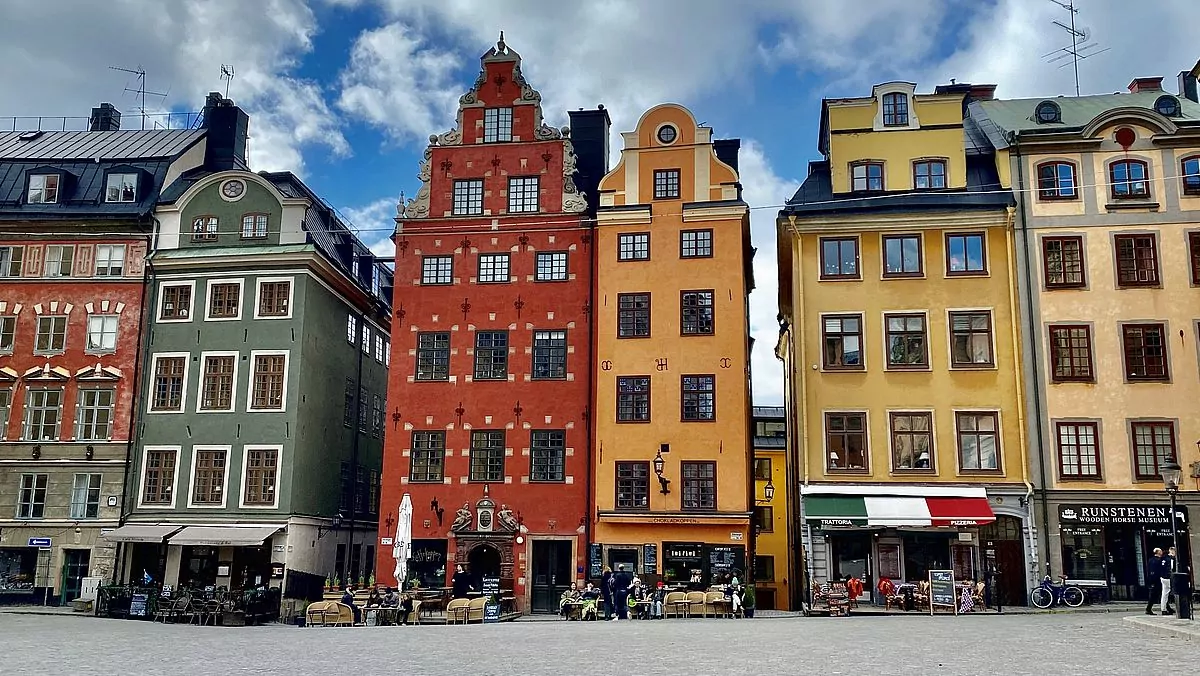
595	560
491	612
650	559
491	586
722	561
137	606
941	590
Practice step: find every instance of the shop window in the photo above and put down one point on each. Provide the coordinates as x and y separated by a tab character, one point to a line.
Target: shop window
764	519
699	485
889	560
1056	181
696	244
633	246
1153	444
1129	180
633	485
907	342
493	268
764	568
839	258
633	315
549	355
433	356
971	339
547	455
842	342
18	569
1078	450
487	456
696	313
491	355
966	254
1071	353
1062	262
633	399
846	441
902	256
428	456
912	441
1137	260
1083	554
31	500
978	441
924	552
762	469
1145	350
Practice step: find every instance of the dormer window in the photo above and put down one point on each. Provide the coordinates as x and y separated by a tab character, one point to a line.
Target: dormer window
1047	112
43	189
929	174
121	188
1167	106
866	177
895	110
497	125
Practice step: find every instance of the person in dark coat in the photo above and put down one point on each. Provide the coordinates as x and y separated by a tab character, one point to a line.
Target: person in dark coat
348	599
622	582
606	589
461	583
1156	587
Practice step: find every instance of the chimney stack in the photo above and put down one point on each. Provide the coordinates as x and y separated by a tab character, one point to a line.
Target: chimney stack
105	117
228	130
589	137
1145	84
982	92
1187	83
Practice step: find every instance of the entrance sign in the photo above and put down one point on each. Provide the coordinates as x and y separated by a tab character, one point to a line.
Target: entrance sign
941	590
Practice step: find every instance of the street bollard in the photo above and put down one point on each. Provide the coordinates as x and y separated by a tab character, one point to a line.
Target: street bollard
1181	586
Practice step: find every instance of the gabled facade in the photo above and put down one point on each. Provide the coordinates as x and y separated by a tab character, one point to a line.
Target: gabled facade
259	436
672	483
489	395
1109	256
76	217
901	343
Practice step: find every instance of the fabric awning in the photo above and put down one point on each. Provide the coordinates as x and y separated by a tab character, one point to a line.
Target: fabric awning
894	511
224	536
139	533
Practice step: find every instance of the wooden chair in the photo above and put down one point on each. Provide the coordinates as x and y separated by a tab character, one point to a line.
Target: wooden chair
415	615
718	605
977	594
314	615
475	609
696	603
457	610
673	602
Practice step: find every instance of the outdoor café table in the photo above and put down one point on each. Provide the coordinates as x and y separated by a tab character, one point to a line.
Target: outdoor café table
683	605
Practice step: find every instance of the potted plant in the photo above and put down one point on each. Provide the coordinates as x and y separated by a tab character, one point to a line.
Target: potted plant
748	601
328	583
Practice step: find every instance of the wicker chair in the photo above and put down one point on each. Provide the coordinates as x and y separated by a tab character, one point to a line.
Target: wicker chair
716	603
457	610
475	609
696	603
673	602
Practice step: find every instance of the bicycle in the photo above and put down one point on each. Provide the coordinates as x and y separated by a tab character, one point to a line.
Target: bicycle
1048	594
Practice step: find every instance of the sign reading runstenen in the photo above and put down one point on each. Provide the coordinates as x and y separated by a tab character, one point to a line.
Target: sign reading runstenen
1145	515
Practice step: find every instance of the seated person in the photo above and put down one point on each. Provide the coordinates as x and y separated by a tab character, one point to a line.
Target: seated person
733	594
656	601
391	599
589	593
348	599
568	597
374	600
406	608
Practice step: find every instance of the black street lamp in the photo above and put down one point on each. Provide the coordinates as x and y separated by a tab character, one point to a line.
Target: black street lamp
663	482
1181	585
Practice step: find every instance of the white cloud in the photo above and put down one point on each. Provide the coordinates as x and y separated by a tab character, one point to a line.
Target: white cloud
374	224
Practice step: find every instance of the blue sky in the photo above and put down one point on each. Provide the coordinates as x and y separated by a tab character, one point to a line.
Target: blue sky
346	92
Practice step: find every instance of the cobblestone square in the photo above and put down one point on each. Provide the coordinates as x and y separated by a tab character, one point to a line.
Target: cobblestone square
1099	643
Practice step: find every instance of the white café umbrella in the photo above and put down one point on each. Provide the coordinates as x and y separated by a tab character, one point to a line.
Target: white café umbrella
402	545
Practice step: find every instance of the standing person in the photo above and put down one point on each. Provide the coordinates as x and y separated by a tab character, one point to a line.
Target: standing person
991	587
1154	582
606	589
461	583
621	582
1169	564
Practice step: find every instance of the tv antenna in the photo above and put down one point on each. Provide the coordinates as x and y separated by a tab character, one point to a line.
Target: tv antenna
1081	46
227	76
141	90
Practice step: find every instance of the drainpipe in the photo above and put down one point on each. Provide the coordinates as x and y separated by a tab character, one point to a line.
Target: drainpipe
1034	357
589	408
802	375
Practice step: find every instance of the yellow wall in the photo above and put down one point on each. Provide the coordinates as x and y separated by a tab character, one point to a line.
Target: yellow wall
665	275
774	543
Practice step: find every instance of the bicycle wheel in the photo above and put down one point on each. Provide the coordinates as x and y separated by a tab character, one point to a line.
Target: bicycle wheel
1041	598
1073	596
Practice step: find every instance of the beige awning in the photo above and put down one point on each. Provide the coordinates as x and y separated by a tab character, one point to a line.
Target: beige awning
224	536
139	533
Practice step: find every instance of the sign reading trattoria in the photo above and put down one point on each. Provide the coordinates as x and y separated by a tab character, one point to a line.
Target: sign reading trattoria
1145	515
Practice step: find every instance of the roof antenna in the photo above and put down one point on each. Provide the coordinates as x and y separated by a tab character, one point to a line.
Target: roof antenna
227	76
141	88
1080	47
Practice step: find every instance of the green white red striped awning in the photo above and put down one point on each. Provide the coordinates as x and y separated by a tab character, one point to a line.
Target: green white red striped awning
944	507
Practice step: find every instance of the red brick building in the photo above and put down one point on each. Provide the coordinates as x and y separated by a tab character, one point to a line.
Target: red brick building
489	389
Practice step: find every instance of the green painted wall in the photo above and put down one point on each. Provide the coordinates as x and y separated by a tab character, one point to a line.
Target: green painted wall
209	202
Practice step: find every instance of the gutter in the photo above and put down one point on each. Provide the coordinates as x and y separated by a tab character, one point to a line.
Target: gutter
802	376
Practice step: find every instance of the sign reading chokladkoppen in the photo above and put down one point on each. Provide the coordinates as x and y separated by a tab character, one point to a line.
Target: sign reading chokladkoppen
941	590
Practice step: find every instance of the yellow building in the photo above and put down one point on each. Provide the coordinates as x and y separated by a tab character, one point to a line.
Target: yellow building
774	575
901	346
672	454
1110	201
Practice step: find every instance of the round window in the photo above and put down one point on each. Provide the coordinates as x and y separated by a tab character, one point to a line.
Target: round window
1167	106
1048	111
667	134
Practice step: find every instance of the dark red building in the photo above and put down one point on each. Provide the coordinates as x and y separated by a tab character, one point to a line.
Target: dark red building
489	391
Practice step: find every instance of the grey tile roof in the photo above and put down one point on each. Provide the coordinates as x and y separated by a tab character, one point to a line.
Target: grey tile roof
1076	111
81	194
768	411
127	144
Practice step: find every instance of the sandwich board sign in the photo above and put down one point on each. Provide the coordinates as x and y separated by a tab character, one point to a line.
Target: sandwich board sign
941	591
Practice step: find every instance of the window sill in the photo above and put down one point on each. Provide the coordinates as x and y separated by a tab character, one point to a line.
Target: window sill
165	410
912	472
698	420
100	352
1072	381
633	422
632	260
697	335
1065	287
48	353
903	275
843	369
973	367
1122	286
1149	381
425	481
550	281
835	471
918	368
620	337
967	273
1132	203
1082	479
695	256
980	472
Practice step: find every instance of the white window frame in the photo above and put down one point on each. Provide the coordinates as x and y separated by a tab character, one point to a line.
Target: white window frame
283	398
497	124
86	491
553	256
192	477
26	421
468	188
6	267
191	284
80	409
38	182
387	352
6	411
187	368
365	343
278	448
103	318
107	269
61	249
253	231
379	343
494	260
435	263
351	329
38	332
200	381
178	451
291	282
108	186
519	189
208	289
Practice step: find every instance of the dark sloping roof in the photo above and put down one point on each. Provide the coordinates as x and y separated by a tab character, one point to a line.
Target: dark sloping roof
983	191
82	192
129	144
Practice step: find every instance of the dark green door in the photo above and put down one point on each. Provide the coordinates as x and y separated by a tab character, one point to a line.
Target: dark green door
75	567
551	574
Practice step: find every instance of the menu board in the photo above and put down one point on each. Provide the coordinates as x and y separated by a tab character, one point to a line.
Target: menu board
491	586
491	613
722	561
137	606
889	560
941	590
650	558
595	560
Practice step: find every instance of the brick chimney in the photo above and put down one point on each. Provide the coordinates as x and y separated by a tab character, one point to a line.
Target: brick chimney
1145	84
983	92
105	117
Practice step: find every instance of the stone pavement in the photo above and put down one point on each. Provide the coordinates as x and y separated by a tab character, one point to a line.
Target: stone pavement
1168	625
1087	643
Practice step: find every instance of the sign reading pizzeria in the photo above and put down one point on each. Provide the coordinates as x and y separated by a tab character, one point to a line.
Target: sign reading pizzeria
1142	515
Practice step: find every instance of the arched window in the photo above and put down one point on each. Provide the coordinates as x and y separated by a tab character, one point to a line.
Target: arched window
1190	174
1048	111
1167	106
1128	179
1056	181
895	110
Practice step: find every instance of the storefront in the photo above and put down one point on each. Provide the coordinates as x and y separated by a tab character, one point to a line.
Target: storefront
1108	545
427	563
902	532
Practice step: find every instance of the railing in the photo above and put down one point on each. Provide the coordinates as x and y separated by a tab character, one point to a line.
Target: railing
184	120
